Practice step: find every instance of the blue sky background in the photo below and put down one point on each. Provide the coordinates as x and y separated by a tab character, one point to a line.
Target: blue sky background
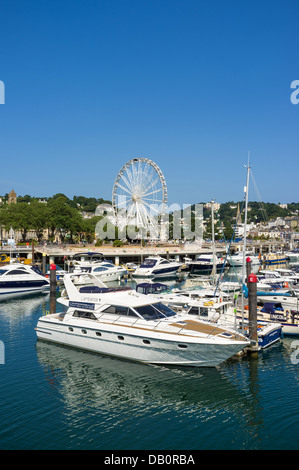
193	85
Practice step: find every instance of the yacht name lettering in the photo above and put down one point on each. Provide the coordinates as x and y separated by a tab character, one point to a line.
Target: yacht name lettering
277	316
90	299
87	306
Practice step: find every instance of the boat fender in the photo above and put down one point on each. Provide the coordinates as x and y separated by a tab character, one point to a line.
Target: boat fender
285	284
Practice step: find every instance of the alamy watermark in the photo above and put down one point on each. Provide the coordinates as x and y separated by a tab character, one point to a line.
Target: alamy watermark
2	353
295	353
2	93
295	94
157	223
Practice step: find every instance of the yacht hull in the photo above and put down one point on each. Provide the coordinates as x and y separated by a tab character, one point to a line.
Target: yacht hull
204	269
146	349
7	293
156	273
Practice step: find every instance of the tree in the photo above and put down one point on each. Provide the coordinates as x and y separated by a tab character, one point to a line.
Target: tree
39	218
18	216
63	218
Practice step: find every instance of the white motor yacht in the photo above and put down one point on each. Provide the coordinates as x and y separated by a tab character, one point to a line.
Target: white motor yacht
237	258
288	275
292	255
83	259
271	278
121	322
20	279
104	270
157	267
205	263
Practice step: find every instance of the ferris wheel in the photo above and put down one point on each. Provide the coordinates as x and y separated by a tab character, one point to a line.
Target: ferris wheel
139	194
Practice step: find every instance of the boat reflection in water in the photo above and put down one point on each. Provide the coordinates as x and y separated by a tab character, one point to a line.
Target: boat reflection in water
119	394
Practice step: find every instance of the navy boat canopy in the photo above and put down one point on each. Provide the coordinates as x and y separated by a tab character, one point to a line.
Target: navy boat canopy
151	288
270	307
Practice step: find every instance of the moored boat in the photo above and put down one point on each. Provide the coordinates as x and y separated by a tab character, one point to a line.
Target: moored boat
157	267
123	323
18	279
205	263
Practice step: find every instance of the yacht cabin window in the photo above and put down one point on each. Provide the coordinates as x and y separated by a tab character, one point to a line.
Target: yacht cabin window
120	310
85	315
17	271
155	311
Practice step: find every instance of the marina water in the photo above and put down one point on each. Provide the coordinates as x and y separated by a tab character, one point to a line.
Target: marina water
53	397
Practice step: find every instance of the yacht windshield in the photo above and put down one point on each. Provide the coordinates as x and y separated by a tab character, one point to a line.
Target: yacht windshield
155	311
36	270
2	271
148	263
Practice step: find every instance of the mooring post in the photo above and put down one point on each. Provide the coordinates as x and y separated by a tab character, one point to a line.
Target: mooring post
53	278
44	263
248	269
53	283
252	311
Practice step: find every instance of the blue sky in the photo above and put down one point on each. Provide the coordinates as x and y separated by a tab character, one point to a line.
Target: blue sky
191	85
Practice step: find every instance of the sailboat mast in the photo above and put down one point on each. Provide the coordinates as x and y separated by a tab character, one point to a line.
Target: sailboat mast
213	239
245	236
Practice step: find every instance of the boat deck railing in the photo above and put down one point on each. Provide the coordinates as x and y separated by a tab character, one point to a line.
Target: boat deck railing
210	332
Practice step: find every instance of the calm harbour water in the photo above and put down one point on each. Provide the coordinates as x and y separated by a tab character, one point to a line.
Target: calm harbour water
54	397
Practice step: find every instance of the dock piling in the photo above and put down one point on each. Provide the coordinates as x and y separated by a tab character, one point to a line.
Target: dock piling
53	284
252	312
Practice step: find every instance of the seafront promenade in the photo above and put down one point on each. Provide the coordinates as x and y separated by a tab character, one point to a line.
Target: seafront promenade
136	253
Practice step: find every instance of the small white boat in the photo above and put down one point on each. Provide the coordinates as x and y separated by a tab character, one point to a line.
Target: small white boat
21	279
289	299
157	267
205	263
59	272
271	278
121	322
274	312
292	255
104	270
237	258
83	259
288	275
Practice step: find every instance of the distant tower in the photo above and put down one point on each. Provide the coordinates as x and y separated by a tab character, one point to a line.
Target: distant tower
12	197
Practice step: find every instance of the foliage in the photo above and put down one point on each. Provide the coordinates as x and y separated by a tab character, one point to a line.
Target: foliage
117	243
64	216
